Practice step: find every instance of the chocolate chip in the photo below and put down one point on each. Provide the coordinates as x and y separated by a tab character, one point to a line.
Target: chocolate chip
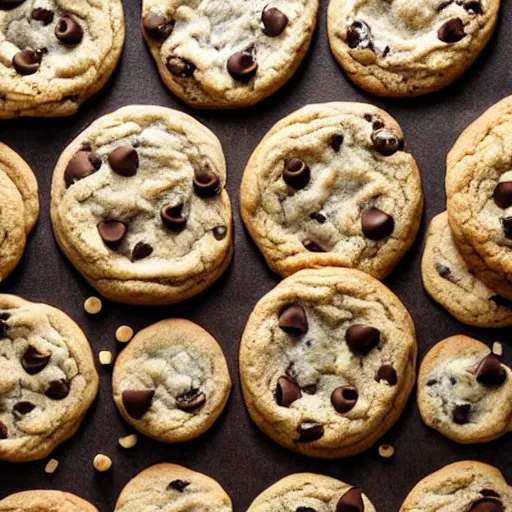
191	400
296	173
157	27
220	232
45	16
3	325
312	246
4	434
242	65
274	22
452	31
376	224
361	339
172	217
179	485
359	35
503	194
501	301
309	431
461	414
351	501
83	164
141	250
442	270
180	67
293	320
386	142
489	493
336	141
136	403
7	5
319	217
22	408
472	6
26	62
310	389
112	231
490	372
487	505
506	223
206	183
387	373
34	361
344	398
57	389
431	382
124	161
68	31
305	509
287	392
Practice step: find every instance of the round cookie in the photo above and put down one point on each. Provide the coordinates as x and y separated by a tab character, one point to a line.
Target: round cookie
227	53
139	206
479	198
307	492
45	501
400	48
333	185
466	486
19	208
172	487
172	381
48	379
327	362
464	391
449	281
54	54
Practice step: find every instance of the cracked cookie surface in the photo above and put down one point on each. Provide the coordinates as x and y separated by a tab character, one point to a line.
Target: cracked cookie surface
400	48
45	501
48	379
139	206
54	54
332	185
327	362
227	53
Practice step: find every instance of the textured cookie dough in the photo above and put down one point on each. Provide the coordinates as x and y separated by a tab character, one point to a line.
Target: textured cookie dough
327	362
466	486
172	487
139	206
401	48
449	281
227	53
479	196
45	501
47	379
19	208
333	185
172	381
54	54
307	492
464	391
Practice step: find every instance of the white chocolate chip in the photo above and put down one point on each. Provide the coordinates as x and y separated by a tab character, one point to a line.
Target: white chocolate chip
105	357
93	305
128	441
51	466
386	451
497	349
102	463
124	334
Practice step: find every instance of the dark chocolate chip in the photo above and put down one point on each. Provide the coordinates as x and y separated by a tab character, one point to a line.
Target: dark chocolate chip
386	142
3	325
461	414
453	381
489	493
141	250
310	431
5	316
83	164
22	408
359	35
172	217
376	224
351	501
312	246
45	16
287	392
136	403
293	320
191	400
310	389
361	339
431	382
220	232
242	65
501	301
490	372
451	31
487	505
180	67
57	389
305	509
112	231
336	141
4	434
503	194
442	270
387	373
157	27
506	223
206	183
179	485
7	5
344	398
472	6
34	361
274	22
296	173
377	124
124	161
68	31
319	217
26	62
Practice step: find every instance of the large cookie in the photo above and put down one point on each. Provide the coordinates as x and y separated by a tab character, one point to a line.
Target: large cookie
404	48
327	362
139	206
54	54
227	53
47	379
45	501
19	208
332	185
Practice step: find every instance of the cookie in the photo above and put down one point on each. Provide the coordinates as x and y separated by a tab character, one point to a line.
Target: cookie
139	206
20	208
327	362
48	379
45	501
479	196
333	185
172	487
172	381
449	281
227	53
399	48
466	486
307	492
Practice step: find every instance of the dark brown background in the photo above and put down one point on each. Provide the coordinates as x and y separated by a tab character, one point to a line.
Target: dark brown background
234	451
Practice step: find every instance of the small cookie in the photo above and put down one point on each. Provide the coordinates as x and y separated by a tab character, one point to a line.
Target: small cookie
400	48
172	487
20	208
45	501
139	206
464	391
449	281
172	381
466	486
307	492
47	379
332	185
227	53
327	362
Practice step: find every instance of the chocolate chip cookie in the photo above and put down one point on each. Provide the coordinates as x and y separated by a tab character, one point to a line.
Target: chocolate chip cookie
327	362
400	48
19	208
333	185
45	501
47	379
54	54
227	53
172	487
172	381
466	486
307	492
139	206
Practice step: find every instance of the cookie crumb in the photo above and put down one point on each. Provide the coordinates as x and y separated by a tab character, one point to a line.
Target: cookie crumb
105	357
93	305
128	441
124	334
102	463
51	466
386	451
497	349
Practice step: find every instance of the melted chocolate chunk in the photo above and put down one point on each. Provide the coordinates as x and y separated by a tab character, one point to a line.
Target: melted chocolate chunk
461	414
287	392
506	223
21	409
191	400
452	31
157	27
297	173
173	218
309	431
136	403
351	501
45	16
293	320
443	270
57	389
83	164
180	67
141	251
501	301
359	35
34	361
242	65
274	21
68	31
179	485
